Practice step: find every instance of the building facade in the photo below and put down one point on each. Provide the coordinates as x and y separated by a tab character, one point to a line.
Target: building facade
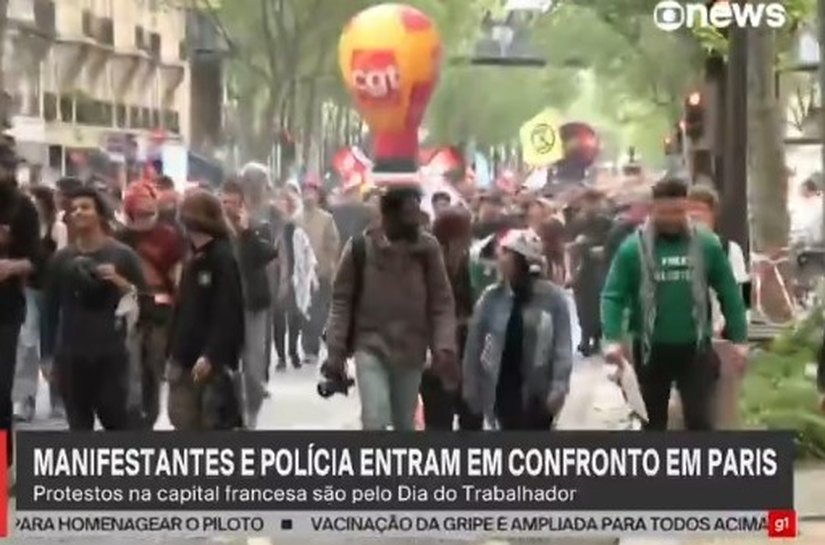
91	80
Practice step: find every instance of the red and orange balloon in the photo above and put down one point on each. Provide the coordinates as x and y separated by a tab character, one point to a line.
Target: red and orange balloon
390	57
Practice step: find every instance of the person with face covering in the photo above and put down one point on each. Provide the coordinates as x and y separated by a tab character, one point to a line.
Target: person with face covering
92	291
661	276
161	249
207	335
405	307
19	256
519	353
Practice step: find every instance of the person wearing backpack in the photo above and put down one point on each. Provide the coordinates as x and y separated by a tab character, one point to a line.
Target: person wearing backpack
391	303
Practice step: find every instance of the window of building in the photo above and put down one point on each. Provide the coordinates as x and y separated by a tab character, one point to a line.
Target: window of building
121	116
67	109
50	107
140	38
87	24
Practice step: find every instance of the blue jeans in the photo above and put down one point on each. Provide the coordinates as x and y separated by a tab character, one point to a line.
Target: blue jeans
389	393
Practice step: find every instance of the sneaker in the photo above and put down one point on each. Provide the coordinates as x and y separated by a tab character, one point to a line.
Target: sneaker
281	366
296	363
24	410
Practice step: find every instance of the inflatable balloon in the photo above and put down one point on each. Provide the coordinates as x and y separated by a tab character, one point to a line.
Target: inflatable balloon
390	58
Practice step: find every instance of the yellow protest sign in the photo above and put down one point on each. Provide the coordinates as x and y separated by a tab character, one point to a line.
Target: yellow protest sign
540	141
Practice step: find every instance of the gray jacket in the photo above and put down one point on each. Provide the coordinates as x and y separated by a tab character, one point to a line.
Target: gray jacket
548	347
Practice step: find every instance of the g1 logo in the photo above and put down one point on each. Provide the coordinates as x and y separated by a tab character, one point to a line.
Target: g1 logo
782	524
375	76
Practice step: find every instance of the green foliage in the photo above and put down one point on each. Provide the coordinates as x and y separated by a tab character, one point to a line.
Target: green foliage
778	395
641	72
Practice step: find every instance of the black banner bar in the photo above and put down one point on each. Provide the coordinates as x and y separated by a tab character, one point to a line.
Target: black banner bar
352	471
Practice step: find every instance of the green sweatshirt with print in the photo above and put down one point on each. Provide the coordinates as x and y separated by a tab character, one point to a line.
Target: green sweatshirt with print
675	323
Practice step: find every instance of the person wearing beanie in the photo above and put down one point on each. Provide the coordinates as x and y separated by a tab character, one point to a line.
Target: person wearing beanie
326	244
91	294
207	334
161	249
391	303
519	353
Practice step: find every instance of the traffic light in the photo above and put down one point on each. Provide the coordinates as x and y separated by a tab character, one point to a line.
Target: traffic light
694	116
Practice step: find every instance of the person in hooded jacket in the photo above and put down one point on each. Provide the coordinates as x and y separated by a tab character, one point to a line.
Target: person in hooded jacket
519	353
207	335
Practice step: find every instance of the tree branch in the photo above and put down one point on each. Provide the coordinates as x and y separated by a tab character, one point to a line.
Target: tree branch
270	39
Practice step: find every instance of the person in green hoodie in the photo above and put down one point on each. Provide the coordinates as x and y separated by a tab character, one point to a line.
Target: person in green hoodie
660	280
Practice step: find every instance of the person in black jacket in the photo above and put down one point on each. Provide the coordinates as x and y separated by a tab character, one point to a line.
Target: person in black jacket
19	256
255	250
208	325
91	296
588	233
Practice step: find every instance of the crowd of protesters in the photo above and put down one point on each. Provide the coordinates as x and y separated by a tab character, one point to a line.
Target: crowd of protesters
466	310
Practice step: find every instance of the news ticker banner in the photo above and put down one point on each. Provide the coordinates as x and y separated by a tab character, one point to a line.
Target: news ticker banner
432	524
294	481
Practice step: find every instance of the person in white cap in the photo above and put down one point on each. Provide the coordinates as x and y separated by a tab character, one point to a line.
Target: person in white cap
519	353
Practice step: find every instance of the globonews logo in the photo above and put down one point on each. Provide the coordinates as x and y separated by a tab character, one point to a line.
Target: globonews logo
670	15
